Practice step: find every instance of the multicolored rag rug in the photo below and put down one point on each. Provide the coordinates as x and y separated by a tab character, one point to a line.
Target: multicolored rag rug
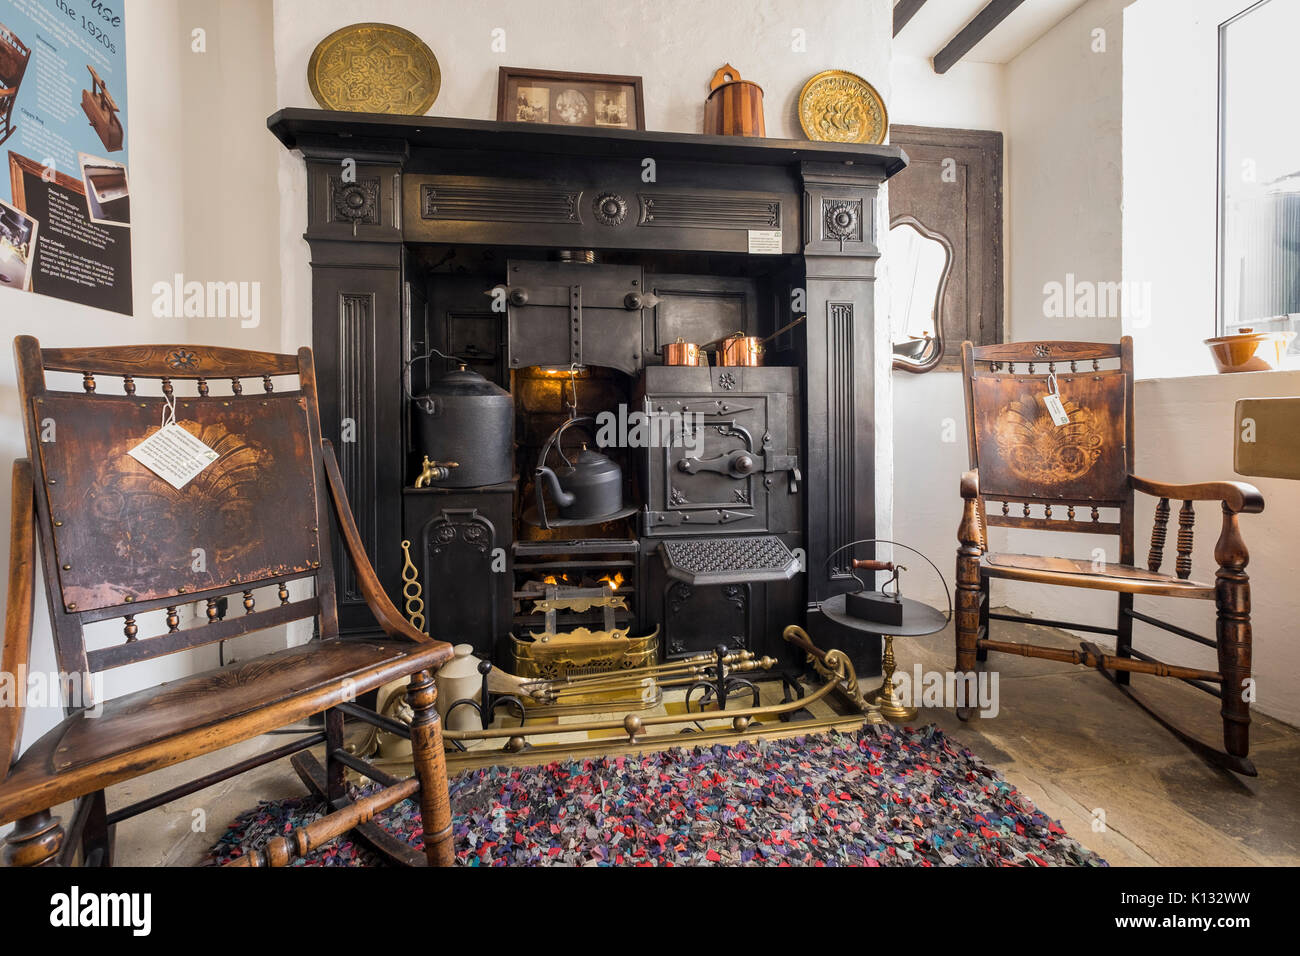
880	796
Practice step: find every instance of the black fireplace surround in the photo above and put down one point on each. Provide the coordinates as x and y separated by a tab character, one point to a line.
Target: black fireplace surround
423	229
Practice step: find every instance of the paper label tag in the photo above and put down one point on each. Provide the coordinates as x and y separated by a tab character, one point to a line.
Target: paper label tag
764	242
174	455
1056	410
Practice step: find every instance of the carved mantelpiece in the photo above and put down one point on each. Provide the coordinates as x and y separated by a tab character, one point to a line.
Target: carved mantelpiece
381	187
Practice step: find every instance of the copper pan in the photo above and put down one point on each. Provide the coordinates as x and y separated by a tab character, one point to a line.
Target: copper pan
682	352
740	349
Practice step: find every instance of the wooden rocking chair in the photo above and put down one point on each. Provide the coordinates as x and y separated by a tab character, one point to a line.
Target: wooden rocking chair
120	543
1021	459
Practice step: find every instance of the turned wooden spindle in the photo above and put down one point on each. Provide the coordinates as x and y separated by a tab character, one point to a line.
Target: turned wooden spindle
1026	509
128	384
88	381
430	766
249	603
1074	365
283	594
34	841
267	386
1047	510
203	388
212	610
130	629
173	621
1233	634
1186	517
237	386
968	602
1006	507
1157	553
1096	515
168	389
1069	512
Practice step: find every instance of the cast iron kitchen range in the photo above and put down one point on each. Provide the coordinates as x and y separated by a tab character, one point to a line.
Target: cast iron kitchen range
636	407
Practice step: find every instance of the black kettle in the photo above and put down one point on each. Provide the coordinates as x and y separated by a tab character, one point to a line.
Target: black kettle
589	488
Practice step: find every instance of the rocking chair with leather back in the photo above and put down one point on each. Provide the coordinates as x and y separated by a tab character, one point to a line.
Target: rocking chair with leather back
119	543
1029	473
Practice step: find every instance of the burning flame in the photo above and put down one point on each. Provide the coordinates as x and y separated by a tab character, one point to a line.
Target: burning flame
615	581
550	579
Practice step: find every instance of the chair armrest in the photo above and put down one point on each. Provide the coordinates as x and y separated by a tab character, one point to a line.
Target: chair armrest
16	650
1237	496
970	533
390	619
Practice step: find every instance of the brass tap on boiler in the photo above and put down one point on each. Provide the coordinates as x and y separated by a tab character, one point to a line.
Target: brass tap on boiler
432	471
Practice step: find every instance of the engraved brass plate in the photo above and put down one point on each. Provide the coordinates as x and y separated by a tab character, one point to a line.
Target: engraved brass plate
836	106
374	68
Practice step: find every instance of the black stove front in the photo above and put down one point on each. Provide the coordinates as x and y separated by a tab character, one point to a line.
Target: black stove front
537	254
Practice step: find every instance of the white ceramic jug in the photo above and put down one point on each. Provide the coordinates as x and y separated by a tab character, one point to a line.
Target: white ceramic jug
459	679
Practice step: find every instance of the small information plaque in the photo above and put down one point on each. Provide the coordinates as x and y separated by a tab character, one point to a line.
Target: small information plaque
765	242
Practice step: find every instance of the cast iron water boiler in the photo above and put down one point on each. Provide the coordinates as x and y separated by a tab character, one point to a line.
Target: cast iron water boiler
468	420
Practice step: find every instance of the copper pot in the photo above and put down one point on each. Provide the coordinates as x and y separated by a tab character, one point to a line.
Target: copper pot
681	352
1249	351
741	349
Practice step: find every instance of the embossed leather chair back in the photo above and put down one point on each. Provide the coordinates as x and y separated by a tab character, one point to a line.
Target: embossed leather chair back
121	543
1034	473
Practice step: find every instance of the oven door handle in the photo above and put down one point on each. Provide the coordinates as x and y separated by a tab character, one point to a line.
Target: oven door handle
742	463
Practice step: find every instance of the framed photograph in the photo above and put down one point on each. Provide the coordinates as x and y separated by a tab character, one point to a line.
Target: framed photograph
558	98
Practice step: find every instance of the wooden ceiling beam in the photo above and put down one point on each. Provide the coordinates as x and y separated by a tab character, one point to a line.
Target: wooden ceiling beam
904	10
972	33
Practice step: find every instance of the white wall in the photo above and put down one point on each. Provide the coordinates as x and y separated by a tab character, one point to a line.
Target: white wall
1064	109
202	169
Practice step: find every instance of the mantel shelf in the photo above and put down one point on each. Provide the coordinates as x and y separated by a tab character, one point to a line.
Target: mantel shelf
293	126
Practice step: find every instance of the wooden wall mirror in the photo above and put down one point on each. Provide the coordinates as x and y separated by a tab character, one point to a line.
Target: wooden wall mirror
953	187
920	260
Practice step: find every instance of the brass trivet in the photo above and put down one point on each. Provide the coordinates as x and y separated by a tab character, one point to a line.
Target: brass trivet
836	106
374	68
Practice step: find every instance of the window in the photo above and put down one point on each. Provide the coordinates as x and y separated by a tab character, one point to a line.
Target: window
1259	170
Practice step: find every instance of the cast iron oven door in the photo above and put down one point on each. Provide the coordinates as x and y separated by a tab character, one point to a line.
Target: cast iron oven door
727	467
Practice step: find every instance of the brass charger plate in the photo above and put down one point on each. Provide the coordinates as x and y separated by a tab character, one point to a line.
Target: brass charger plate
836	106
374	68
